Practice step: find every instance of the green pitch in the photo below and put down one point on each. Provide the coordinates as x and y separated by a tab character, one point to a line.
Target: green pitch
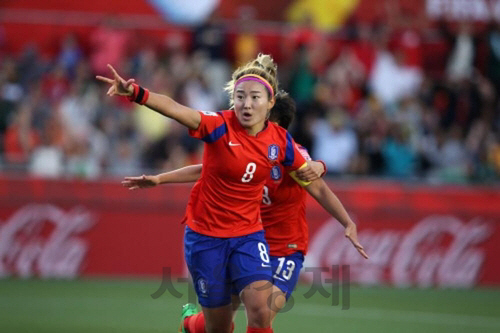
127	306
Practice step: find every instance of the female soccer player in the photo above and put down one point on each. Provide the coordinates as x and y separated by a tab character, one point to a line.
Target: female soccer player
224	243
282	211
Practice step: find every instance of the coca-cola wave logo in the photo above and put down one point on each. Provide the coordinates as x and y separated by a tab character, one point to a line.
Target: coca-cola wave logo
440	250
41	239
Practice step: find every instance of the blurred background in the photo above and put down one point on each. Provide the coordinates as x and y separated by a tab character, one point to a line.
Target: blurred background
400	98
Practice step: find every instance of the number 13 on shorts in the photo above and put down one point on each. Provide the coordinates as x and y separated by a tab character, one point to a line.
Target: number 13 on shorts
286	272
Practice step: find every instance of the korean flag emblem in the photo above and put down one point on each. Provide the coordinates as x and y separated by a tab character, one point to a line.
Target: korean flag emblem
203	286
273	152
276	172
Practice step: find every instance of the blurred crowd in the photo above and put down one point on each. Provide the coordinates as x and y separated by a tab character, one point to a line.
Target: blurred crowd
370	101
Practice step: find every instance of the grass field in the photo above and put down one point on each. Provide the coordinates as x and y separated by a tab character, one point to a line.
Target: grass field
126	306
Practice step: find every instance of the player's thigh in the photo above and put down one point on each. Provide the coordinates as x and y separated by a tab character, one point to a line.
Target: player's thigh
278	301
235	305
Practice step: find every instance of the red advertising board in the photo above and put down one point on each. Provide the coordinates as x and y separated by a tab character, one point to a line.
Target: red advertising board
415	235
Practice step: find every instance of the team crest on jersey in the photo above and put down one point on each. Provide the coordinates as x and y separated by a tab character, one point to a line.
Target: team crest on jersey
203	286
273	152
276	172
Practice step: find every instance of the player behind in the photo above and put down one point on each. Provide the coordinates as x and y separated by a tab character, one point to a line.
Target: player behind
224	244
282	210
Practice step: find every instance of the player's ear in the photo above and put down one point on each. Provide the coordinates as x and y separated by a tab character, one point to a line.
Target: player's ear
271	103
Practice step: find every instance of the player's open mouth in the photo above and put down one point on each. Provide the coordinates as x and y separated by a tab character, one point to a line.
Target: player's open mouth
247	115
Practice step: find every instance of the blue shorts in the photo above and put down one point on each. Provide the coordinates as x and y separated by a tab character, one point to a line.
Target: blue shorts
286	271
220	266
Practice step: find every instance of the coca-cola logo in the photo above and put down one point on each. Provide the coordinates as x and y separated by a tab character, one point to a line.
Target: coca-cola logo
41	239
440	250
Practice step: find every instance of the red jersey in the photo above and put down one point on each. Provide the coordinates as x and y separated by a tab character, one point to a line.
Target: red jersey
283	213
225	201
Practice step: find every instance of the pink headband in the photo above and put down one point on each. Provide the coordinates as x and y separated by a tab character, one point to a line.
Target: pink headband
256	78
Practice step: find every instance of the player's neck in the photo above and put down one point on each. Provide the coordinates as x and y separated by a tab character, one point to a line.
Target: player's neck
256	129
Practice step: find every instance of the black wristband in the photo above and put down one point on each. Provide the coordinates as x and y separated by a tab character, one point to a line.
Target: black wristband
140	95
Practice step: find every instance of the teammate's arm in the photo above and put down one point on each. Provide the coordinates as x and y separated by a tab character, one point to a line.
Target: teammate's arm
159	103
188	174
329	201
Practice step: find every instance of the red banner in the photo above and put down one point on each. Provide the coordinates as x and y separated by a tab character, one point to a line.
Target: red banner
415	236
423	236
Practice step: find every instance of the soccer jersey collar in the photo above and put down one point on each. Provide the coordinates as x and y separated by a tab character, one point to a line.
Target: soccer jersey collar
240	128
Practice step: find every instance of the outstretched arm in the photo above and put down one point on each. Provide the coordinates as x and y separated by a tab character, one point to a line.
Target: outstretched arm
188	174
329	201
159	103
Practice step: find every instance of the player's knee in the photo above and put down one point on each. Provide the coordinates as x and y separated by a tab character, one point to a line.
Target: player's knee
259	317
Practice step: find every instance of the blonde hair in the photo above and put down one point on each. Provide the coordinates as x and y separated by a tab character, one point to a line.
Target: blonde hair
263	66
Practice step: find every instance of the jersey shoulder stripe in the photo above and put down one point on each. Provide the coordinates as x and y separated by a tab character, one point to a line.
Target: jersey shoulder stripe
216	134
289	151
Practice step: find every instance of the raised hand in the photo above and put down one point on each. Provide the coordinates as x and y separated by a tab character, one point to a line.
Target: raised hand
352	233
118	85
134	183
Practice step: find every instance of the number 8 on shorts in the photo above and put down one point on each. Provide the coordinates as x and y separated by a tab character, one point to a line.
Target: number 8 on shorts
263	253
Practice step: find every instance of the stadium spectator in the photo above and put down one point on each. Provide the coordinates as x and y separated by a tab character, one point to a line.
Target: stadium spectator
391	80
211	39
70	54
20	138
399	157
47	160
335	142
461	61
446	154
